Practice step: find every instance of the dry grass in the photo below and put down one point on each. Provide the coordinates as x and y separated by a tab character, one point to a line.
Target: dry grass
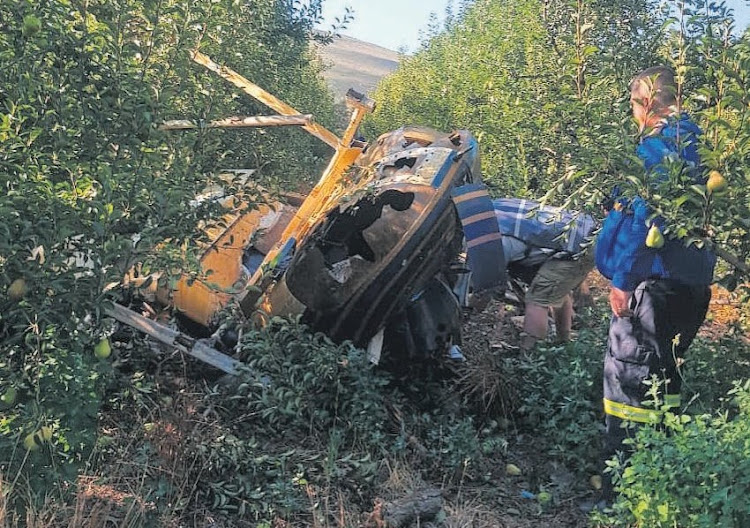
93	506
726	307
145	448
402	480
487	382
472	513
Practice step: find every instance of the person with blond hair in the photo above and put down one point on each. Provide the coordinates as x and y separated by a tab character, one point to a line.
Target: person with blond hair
659	292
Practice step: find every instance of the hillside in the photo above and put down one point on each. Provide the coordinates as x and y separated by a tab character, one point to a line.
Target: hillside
352	63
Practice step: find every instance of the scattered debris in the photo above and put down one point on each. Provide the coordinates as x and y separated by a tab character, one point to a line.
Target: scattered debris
419	507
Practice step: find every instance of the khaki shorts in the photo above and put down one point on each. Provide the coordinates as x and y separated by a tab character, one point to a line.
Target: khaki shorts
557	278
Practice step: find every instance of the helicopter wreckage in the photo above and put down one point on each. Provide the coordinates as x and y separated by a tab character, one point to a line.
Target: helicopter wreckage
382	252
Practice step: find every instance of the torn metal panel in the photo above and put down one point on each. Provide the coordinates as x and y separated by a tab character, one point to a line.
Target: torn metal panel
256	230
388	240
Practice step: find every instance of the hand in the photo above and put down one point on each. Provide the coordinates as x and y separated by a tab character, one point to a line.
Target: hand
619	300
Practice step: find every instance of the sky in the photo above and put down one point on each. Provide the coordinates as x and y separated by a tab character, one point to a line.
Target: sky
388	23
398	23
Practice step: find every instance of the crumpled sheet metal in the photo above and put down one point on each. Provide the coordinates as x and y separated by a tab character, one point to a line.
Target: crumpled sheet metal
393	235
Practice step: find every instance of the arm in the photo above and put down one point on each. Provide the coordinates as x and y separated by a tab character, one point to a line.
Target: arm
622	255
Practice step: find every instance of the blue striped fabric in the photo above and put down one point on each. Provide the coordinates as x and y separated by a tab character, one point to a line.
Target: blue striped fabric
542	226
484	246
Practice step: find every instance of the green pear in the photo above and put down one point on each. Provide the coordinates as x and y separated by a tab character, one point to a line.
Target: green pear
9	396
716	182
102	350
654	239
46	433
31	442
17	289
31	25
512	470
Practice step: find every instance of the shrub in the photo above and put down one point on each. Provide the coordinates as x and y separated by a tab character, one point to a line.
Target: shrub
690	472
560	392
299	383
305	412
705	380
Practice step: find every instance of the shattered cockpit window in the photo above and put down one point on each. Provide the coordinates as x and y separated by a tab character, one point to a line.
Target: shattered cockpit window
343	250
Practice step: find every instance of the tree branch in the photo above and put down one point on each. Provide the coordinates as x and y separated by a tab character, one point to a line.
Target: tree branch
732	259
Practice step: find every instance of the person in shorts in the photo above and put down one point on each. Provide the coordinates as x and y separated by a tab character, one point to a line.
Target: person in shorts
548	248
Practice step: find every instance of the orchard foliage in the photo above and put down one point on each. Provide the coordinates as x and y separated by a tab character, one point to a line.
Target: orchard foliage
544	86
90	186
517	74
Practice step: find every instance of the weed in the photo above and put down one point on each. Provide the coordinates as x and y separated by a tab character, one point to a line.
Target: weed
560	395
705	378
489	384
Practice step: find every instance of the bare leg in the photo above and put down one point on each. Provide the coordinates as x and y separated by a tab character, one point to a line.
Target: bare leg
564	318
582	296
534	324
